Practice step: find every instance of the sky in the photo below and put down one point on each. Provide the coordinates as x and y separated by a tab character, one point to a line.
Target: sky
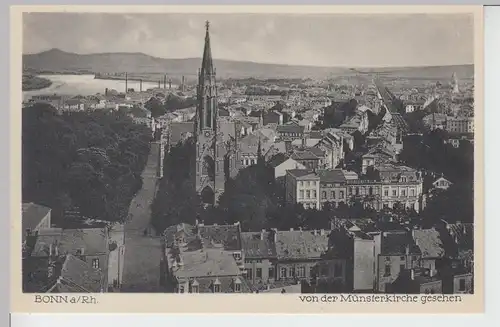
317	40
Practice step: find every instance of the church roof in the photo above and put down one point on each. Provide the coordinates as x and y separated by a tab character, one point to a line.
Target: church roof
207	67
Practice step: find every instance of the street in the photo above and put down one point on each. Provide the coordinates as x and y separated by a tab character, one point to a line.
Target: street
142	253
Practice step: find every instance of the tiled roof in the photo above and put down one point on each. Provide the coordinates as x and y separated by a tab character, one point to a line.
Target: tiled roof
227	235
300	244
396	244
77	276
205	284
298	173
331	176
182	230
277	159
430	243
203	263
69	241
304	155
290	128
255	248
33	215
178	130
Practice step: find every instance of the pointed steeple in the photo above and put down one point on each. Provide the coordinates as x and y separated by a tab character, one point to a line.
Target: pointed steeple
207	67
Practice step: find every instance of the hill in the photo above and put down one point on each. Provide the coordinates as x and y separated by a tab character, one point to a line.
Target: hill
58	61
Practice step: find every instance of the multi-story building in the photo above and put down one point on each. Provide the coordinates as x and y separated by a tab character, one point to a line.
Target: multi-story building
333	187
311	158
260	257
400	184
298	253
460	124
290	131
203	259
366	191
303	186
398	253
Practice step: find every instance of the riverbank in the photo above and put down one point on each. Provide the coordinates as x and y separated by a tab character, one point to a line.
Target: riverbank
144	79
33	83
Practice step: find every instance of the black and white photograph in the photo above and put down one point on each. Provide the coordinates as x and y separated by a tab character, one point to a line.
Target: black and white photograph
248	153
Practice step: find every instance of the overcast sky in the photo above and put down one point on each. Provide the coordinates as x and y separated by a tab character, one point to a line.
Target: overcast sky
319	40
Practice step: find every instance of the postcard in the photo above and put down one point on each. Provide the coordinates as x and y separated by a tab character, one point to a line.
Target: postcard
247	159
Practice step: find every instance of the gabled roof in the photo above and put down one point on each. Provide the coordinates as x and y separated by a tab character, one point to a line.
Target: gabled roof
301	244
257	247
303	173
331	176
33	215
78	276
94	241
290	127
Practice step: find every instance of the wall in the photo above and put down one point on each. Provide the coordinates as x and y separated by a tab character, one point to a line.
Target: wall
469	283
338	191
435	287
292	267
396	263
363	264
281	169
311	186
264	265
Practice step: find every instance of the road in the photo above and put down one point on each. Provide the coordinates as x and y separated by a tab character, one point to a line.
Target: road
142	253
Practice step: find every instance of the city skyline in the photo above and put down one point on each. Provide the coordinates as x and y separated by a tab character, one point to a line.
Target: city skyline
352	39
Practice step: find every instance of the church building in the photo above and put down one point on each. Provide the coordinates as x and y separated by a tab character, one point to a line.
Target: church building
216	138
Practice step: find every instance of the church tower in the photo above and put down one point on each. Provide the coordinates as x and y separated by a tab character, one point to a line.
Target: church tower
210	176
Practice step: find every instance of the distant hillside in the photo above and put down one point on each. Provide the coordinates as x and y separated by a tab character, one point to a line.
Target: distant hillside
56	60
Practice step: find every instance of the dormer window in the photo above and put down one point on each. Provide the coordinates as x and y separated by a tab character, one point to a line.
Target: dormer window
216	286
237	255
195	287
237	285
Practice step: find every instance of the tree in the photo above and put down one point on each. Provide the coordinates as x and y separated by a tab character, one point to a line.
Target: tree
155	106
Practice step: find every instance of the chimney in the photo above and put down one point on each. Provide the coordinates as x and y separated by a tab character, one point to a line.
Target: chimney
412	274
315	232
275	234
126	83
291	229
56	250
322	232
262	232
407	249
51	250
431	272
196	222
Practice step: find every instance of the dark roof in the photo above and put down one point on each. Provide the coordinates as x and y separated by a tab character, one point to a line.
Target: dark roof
256	247
397	244
93	240
331	176
301	244
178	130
277	159
79	276
390	226
182	230
301	172
290	128
304	155
317	151
227	235
207	67
33	215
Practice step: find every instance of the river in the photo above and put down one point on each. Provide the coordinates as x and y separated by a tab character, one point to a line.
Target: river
84	85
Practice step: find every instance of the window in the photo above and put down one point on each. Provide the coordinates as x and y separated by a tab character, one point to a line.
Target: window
181	289
394	192
249	274
258	273
314	194
246	162
95	263
308	194
307	183
323	195
271	272
403	179
350	190
337	269
332	194
237	255
370	190
402	258
301	271
311	272
341	196
412	192
301	194
291	273
357	190
403	192
194	289
252	161
282	272
301	183
461	285
216	288
401	267
387	271
386	192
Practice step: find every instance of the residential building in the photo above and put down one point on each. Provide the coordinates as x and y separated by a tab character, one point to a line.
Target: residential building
260	258
398	253
460	124
203	259
303	186
281	163
272	117
333	146
333	187
400	184
367	191
290	131
417	281
311	158
442	183
298	253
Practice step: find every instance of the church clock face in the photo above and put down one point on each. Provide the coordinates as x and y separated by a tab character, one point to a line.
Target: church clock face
207	133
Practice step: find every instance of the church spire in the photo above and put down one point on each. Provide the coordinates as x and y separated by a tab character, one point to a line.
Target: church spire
207	67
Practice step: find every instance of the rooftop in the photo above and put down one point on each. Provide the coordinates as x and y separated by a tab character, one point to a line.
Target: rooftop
301	244
258	245
33	215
